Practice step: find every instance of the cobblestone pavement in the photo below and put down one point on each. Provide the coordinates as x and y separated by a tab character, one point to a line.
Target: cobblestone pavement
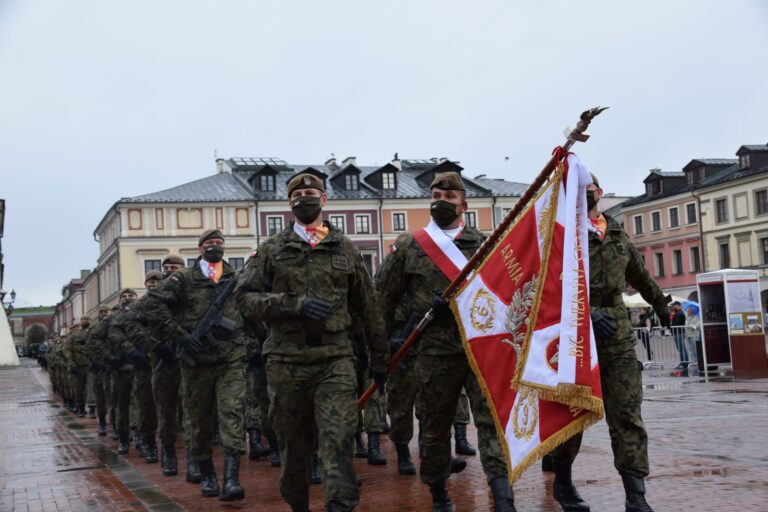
708	448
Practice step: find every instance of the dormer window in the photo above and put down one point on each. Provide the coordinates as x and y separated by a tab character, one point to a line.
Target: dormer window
351	182
388	181
267	183
744	161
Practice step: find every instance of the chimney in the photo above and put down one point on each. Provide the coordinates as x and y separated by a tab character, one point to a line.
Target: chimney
397	163
350	160
221	166
331	162
84	274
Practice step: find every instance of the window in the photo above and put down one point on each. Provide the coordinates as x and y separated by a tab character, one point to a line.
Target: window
744	162
398	222
677	261
764	250
695	261
362	224
674	217
470	219
339	222
191	262
638	224
267	183
721	210
388	181
761	202
725	255
656	221
274	225
690	213
150	265
237	263
351	182
659	257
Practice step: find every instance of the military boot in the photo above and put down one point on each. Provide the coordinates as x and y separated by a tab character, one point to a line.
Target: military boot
257	449
302	505
548	463
81	411
150	448
209	484
102	429
275	460
361	452
232	490
405	465
462	445
375	457
440	500
92	411
503	497
634	487
314	476
138	441
565	492
193	470
457	465
168	460
115	435
124	443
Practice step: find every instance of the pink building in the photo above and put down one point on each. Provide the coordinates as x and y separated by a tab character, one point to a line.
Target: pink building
664	224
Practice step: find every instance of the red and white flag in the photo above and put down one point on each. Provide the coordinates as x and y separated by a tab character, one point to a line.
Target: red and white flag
524	319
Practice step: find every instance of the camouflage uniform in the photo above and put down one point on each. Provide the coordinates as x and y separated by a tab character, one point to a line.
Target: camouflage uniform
176	305
122	375
76	355
310	363
614	263
409	277
99	379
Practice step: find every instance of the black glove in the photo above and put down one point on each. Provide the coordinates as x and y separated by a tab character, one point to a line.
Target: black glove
440	306
603	325
380	378
165	351
74	370
191	343
138	359
395	344
663	314
315	309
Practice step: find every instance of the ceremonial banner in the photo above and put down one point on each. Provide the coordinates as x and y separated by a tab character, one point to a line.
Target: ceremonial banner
524	320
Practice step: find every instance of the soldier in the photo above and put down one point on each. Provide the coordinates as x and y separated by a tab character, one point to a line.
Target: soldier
307	283
411	276
614	263
166	381
257	402
98	376
136	348
122	369
76	355
213	371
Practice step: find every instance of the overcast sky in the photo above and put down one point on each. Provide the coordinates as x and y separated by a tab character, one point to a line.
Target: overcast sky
100	100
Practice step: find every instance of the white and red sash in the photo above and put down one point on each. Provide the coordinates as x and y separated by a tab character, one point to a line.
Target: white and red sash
440	248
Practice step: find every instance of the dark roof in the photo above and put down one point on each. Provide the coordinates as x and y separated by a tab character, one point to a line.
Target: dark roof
714	162
753	148
730	174
666	174
219	187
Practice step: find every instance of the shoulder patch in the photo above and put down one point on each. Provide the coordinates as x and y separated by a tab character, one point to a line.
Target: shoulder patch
174	278
393	249
254	253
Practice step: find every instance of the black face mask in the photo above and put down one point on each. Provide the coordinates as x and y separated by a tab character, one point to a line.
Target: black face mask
306	209
213	254
125	303
591	201
167	274
443	212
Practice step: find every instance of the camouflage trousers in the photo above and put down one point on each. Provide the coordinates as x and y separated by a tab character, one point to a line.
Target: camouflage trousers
144	402
98	392
122	385
372	416
222	384
309	403
622	383
77	381
165	390
257	404
402	399
441	380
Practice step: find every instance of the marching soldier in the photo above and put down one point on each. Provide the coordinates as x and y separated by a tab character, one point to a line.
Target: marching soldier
76	355
99	377
213	369
307	283
614	263
412	276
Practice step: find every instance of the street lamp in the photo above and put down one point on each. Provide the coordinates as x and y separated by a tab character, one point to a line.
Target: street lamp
8	306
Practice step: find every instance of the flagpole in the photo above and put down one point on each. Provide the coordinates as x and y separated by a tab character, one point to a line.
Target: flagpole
576	135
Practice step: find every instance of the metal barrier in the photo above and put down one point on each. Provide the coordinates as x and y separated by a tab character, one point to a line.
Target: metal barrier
664	350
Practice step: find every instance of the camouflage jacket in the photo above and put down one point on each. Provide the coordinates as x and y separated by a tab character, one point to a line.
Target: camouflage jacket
98	342
140	333
407	282
613	263
76	348
284	270
178	303
118	335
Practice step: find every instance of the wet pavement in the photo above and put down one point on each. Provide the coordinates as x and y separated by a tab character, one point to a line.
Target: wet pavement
708	449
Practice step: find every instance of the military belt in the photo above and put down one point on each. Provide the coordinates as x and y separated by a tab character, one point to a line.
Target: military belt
605	301
312	339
